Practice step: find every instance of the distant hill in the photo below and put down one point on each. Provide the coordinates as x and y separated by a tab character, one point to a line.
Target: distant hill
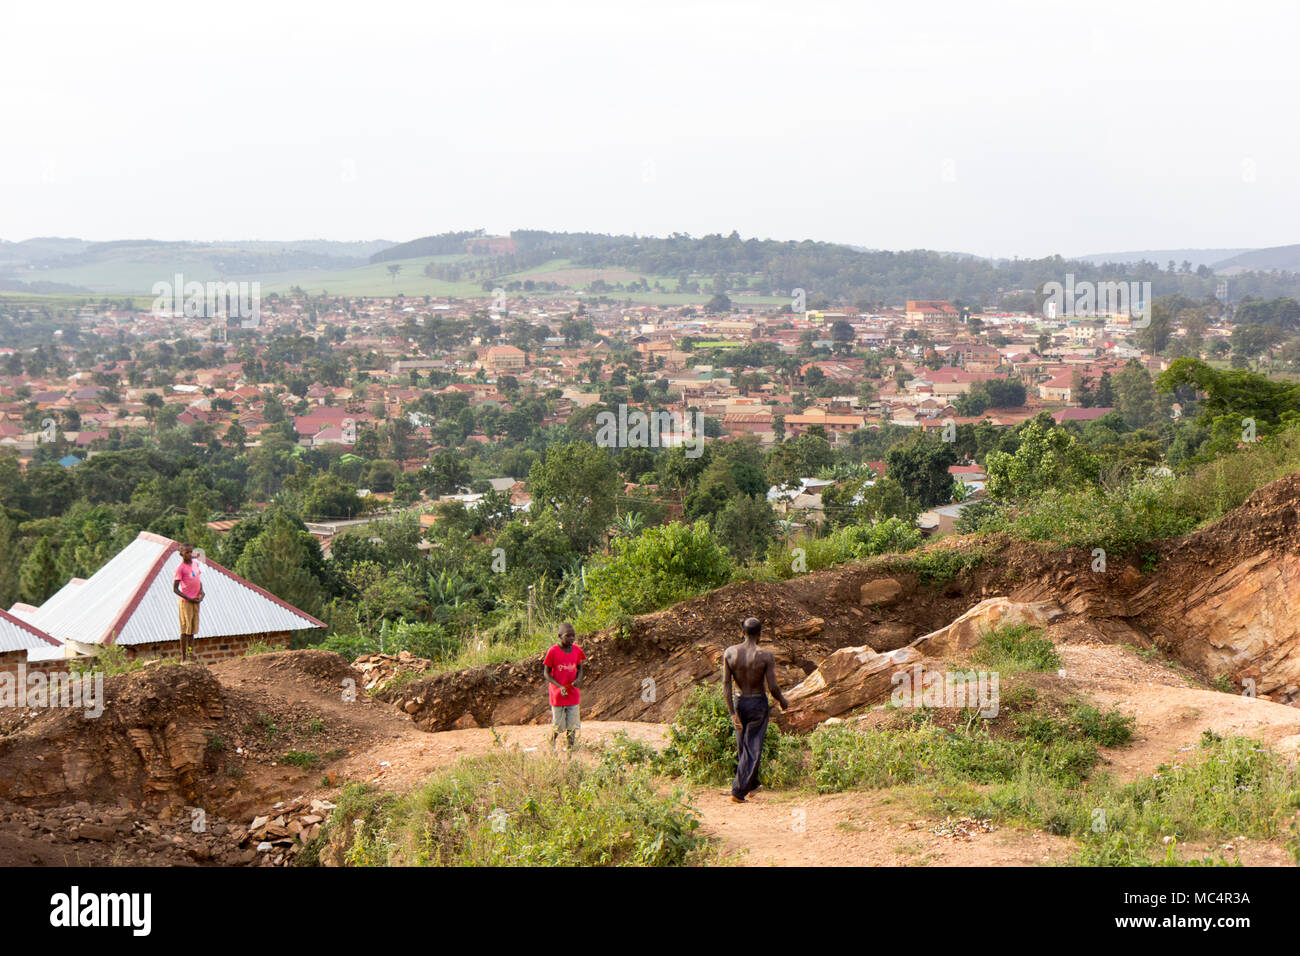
1161	257
134	265
1286	258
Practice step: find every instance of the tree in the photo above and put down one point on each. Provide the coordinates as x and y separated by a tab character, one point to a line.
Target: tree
800	457
1047	458
1135	395
236	436
744	526
280	560
577	482
11	561
1237	393
920	465
39	575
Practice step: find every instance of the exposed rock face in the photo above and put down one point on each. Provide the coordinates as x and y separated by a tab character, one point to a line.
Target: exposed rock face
1242	624
855	677
989	615
648	675
852	677
149	744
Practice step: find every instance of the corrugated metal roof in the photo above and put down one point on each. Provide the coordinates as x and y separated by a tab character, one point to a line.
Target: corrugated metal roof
130	601
19	635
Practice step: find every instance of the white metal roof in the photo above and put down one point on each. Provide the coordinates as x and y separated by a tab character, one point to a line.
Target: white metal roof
130	601
18	635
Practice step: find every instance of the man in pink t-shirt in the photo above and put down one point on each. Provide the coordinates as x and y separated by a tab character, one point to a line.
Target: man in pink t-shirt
562	667
189	589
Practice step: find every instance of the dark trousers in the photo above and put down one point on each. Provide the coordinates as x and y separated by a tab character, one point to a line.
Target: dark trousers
753	714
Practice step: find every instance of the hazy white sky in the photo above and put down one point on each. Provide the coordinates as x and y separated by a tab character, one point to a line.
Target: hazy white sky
999	128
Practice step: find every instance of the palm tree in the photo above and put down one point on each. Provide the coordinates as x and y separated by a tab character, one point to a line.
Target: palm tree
627	525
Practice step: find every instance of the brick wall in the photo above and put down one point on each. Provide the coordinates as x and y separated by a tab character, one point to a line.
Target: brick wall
10	660
209	649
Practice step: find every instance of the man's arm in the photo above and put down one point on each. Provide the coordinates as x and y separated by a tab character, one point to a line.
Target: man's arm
577	677
772	685
550	679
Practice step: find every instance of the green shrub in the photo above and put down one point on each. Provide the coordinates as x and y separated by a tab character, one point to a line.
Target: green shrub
942	563
855	542
658	567
702	745
301	758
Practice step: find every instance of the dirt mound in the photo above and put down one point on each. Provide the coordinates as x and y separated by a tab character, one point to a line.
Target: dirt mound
177	736
148	743
378	669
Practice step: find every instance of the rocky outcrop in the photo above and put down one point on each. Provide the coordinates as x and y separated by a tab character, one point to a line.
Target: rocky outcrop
149	743
1241	625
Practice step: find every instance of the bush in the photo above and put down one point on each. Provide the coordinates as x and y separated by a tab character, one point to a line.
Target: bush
658	567
849	543
702	745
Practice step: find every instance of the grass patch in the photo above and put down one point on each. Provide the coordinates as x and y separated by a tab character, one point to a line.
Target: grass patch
512	809
306	759
1232	787
1017	648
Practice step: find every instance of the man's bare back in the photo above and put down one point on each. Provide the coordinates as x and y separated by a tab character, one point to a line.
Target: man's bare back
751	667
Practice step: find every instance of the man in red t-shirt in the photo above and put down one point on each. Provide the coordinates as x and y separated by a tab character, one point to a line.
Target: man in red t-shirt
562	667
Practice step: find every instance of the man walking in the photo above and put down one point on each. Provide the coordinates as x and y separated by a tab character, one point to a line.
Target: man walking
754	671
562	668
189	589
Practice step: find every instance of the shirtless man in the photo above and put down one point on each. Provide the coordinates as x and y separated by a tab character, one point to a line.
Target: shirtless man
754	671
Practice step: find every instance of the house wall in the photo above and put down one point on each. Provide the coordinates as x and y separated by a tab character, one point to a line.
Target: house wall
10	661
208	648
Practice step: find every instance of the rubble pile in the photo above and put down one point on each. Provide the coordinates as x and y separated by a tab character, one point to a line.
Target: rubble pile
379	669
276	837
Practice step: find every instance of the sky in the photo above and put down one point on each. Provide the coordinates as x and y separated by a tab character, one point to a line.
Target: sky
995	128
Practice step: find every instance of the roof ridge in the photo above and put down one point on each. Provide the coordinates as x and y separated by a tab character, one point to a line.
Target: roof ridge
109	636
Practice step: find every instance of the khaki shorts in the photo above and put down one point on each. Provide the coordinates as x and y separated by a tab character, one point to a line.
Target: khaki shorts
565	718
189	617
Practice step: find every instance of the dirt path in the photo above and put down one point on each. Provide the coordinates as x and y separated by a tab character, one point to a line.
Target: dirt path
1171	714
865	828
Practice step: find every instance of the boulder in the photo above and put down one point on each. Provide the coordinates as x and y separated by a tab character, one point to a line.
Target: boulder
880	591
969	629
805	629
851	677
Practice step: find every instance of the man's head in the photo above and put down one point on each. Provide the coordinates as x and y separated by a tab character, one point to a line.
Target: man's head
187	553
566	635
751	628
